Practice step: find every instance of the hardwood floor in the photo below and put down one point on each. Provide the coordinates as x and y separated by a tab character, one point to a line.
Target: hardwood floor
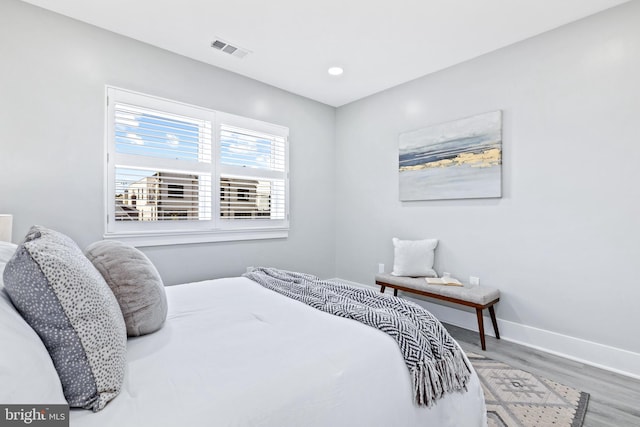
614	399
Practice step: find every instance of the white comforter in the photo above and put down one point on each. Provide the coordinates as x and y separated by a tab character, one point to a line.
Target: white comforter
235	354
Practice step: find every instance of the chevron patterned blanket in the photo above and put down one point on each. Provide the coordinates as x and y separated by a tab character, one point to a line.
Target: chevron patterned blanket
435	362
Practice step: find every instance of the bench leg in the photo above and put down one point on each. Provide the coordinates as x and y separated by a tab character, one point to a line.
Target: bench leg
494	321
382	288
395	292
481	328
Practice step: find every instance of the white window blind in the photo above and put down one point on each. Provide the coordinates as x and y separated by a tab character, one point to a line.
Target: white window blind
252	181
150	133
162	163
156	195
176	170
246	148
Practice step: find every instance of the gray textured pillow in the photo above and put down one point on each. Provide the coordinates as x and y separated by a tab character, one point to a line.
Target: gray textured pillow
67	302
134	281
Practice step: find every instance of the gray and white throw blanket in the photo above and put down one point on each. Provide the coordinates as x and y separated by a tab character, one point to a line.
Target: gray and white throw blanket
435	361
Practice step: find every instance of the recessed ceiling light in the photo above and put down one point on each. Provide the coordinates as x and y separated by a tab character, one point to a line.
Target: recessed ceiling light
335	71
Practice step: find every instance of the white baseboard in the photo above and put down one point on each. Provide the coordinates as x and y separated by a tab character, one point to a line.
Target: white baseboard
603	356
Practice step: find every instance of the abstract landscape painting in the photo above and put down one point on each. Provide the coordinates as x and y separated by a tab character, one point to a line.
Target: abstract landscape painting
455	160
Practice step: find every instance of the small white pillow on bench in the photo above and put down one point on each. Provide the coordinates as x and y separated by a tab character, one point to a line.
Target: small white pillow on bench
414	258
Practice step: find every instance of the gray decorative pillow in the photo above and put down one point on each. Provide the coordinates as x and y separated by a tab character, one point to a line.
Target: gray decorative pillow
134	281
67	302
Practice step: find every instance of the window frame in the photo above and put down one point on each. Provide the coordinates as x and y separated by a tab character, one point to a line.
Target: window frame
216	229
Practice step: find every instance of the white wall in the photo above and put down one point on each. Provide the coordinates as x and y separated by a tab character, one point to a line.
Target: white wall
562	242
53	72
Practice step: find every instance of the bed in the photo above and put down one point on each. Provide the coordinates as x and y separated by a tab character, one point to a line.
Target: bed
233	353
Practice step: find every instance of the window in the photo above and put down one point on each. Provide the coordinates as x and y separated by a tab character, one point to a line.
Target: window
252	172
177	173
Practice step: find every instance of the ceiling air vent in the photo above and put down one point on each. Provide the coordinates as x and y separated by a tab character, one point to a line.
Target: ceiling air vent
232	50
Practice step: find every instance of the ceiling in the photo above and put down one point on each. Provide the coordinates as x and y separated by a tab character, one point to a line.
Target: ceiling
379	43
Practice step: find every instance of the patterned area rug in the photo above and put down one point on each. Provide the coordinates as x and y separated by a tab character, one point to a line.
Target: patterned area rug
517	398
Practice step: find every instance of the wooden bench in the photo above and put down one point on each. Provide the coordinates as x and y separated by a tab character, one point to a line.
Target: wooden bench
470	296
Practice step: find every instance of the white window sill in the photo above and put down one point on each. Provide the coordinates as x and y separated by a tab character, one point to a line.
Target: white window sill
141	239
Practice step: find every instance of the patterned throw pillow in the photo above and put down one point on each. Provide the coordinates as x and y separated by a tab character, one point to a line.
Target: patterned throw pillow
134	281
67	302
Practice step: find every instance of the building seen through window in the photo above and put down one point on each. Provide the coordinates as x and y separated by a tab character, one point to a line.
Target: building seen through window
173	196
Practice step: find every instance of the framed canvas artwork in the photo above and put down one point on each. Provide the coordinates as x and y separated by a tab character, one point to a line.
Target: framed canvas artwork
461	159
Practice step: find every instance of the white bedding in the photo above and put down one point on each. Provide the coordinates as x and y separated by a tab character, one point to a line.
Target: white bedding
235	354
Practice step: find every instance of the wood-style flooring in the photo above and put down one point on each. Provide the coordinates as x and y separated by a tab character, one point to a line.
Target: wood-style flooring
614	399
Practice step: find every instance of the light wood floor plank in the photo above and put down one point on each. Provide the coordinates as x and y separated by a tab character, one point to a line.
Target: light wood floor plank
614	399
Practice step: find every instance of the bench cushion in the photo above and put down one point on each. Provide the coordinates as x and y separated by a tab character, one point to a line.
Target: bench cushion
475	294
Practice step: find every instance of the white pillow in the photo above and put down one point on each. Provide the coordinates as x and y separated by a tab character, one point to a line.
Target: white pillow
26	369
6	252
414	258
